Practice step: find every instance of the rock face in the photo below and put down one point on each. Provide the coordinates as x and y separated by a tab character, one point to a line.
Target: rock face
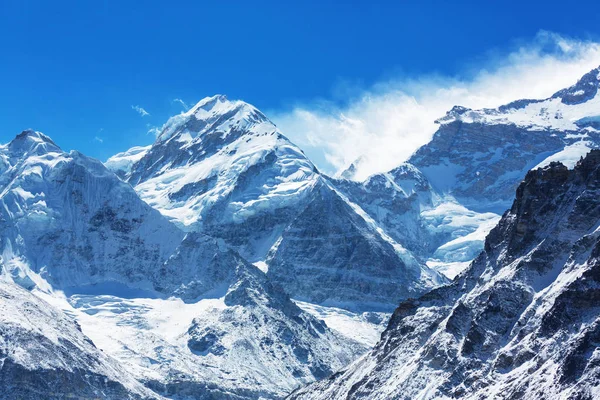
224	169
43	354
338	257
521	322
480	156
395	200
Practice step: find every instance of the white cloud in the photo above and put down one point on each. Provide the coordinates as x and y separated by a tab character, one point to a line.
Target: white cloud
98	139
140	110
388	122
183	104
154	130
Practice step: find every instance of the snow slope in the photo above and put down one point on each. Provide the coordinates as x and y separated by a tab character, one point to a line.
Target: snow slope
247	341
44	354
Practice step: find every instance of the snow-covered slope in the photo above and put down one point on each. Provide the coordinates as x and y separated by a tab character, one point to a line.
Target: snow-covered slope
245	341
523	320
121	163
480	156
44	355
224	169
433	227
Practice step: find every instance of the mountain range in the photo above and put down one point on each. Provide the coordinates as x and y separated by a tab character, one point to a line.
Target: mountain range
219	262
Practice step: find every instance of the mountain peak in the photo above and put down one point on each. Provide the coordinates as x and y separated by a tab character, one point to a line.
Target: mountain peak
30	134
213	114
32	141
208	103
585	89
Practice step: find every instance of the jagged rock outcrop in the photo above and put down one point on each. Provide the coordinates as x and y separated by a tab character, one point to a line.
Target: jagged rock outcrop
520	322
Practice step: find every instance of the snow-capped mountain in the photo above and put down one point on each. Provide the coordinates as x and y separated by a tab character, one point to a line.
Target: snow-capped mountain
80	238
521	322
480	156
224	169
441	204
178	260
72	223
222	166
432	226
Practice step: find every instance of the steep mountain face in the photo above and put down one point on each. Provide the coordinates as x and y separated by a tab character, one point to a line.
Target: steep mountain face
480	156
521	322
395	200
43	354
224	169
80	238
338	257
71	222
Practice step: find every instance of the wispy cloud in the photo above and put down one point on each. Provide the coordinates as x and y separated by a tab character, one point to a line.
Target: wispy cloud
386	123
140	110
154	130
98	139
183	104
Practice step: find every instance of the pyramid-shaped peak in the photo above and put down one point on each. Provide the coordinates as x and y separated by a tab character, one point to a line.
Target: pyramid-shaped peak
30	140
30	134
215	113
220	105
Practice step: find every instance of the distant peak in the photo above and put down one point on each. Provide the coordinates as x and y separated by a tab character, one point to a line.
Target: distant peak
585	89
215	113
30	139
208	103
455	113
33	135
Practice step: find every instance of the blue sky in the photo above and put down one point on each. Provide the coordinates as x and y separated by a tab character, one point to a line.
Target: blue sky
77	69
